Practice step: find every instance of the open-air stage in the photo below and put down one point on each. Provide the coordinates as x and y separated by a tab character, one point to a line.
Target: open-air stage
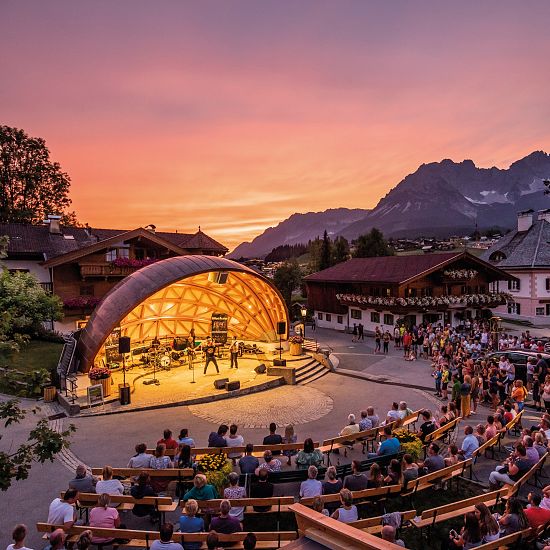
176	385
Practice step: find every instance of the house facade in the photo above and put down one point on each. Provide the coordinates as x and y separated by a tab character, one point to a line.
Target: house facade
525	254
80	265
430	288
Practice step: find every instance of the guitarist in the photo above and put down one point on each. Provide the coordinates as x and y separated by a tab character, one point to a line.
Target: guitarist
234	351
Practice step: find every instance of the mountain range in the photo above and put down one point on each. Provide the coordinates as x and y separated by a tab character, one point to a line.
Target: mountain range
439	199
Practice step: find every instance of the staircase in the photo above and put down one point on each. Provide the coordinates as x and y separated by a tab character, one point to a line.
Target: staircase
310	344
66	368
309	371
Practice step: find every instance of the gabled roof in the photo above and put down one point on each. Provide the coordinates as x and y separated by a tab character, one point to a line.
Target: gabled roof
394	269
529	248
100	245
36	241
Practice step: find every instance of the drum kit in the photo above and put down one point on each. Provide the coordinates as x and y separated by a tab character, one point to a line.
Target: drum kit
160	357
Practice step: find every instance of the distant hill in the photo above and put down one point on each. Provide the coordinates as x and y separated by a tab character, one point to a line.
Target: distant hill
439	199
299	228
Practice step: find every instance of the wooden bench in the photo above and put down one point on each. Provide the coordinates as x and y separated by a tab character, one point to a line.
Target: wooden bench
428	481
142	539
383	461
445	431
177	474
507	541
345	442
482	450
509	427
374	525
431	517
278	505
127	502
366	495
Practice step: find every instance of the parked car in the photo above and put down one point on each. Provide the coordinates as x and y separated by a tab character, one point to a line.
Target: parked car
519	358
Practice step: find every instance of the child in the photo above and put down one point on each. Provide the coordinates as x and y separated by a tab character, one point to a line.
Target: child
438	375
445	382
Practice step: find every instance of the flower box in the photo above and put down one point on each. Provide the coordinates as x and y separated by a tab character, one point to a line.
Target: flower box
295	349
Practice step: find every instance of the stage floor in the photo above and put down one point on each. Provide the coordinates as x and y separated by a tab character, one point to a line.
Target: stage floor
176	386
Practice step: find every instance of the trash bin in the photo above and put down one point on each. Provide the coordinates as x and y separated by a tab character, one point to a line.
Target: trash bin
124	394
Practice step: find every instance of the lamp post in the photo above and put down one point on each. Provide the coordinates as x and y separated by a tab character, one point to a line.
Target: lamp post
304	315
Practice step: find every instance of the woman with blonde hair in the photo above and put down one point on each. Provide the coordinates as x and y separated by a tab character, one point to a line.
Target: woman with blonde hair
347	511
189	523
201	489
104	516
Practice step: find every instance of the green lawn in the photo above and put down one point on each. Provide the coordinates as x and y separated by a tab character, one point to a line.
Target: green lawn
20	367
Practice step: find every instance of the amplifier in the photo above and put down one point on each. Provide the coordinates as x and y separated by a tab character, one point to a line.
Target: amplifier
220	383
279	362
235	385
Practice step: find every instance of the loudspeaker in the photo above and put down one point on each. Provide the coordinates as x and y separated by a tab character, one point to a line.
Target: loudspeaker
124	393
124	344
235	385
220	383
281	327
260	369
279	362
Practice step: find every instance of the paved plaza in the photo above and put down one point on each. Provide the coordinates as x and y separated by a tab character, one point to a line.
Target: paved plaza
319	410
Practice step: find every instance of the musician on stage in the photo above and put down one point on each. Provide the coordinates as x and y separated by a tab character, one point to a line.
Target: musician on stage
209	349
234	352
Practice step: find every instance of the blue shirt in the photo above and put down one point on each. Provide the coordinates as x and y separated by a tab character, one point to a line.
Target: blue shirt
469	445
191	525
389	446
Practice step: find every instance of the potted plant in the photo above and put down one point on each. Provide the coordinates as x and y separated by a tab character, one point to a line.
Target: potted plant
217	468
410	442
296	345
103	376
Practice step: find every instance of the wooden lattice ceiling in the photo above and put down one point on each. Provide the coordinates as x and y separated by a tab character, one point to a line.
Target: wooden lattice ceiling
253	309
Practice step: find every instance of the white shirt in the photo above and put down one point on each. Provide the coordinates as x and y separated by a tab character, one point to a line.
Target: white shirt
237	441
10	547
310	488
60	512
140	461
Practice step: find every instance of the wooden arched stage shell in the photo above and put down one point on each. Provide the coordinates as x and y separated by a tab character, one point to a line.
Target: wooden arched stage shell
173	295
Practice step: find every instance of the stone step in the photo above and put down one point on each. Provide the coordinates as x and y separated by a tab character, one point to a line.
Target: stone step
313	372
314	377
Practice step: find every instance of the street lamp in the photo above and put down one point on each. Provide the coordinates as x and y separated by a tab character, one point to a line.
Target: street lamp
304	315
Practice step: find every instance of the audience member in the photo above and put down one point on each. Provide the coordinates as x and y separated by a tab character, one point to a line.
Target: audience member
373	417
225	523
104	516
273	438
248	463
262	489
190	523
165	542
235	491
183	458
108	484
427	426
141	459
309	456
141	489
57	540
395	473
234	440
62	510
514	519
18	535
83	482
311	487
490	529
469	443
289	438
356	481
375	477
184	438
511	470
536	516
347	511
470	534
217	439
201	490
434	461
365	423
332	484
270	463
351	428
168	441
410	468
249	542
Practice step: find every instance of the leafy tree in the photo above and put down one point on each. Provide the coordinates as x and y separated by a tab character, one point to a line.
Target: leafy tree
372	244
288	278
325	260
31	184
314	248
42	444
25	305
340	251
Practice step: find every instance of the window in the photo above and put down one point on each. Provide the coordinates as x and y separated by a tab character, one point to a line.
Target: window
320	316
493	286
87	290
339	319
547	309
388	292
428	291
513	285
17	270
514	308
355	314
374	317
115	253
388	319
411	292
328	317
548	284
539	311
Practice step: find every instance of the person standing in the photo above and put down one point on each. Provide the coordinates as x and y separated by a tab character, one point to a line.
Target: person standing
209	350
361	331
234	352
386	340
354	334
377	339
18	535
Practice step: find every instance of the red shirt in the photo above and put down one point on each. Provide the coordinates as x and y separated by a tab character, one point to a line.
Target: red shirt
170	443
537	516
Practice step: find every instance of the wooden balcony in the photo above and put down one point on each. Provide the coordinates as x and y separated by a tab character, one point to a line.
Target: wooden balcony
104	270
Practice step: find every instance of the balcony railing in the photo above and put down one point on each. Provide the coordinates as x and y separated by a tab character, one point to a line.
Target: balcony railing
105	270
48	287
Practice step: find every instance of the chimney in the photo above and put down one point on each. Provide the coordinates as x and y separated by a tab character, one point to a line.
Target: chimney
151	227
544	215
55	224
525	219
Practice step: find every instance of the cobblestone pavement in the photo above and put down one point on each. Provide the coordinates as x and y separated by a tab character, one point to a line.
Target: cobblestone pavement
285	405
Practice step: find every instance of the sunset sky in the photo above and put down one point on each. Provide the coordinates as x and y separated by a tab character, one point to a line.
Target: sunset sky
232	115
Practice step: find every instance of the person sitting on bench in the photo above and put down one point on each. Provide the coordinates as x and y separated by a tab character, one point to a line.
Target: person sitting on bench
165	542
